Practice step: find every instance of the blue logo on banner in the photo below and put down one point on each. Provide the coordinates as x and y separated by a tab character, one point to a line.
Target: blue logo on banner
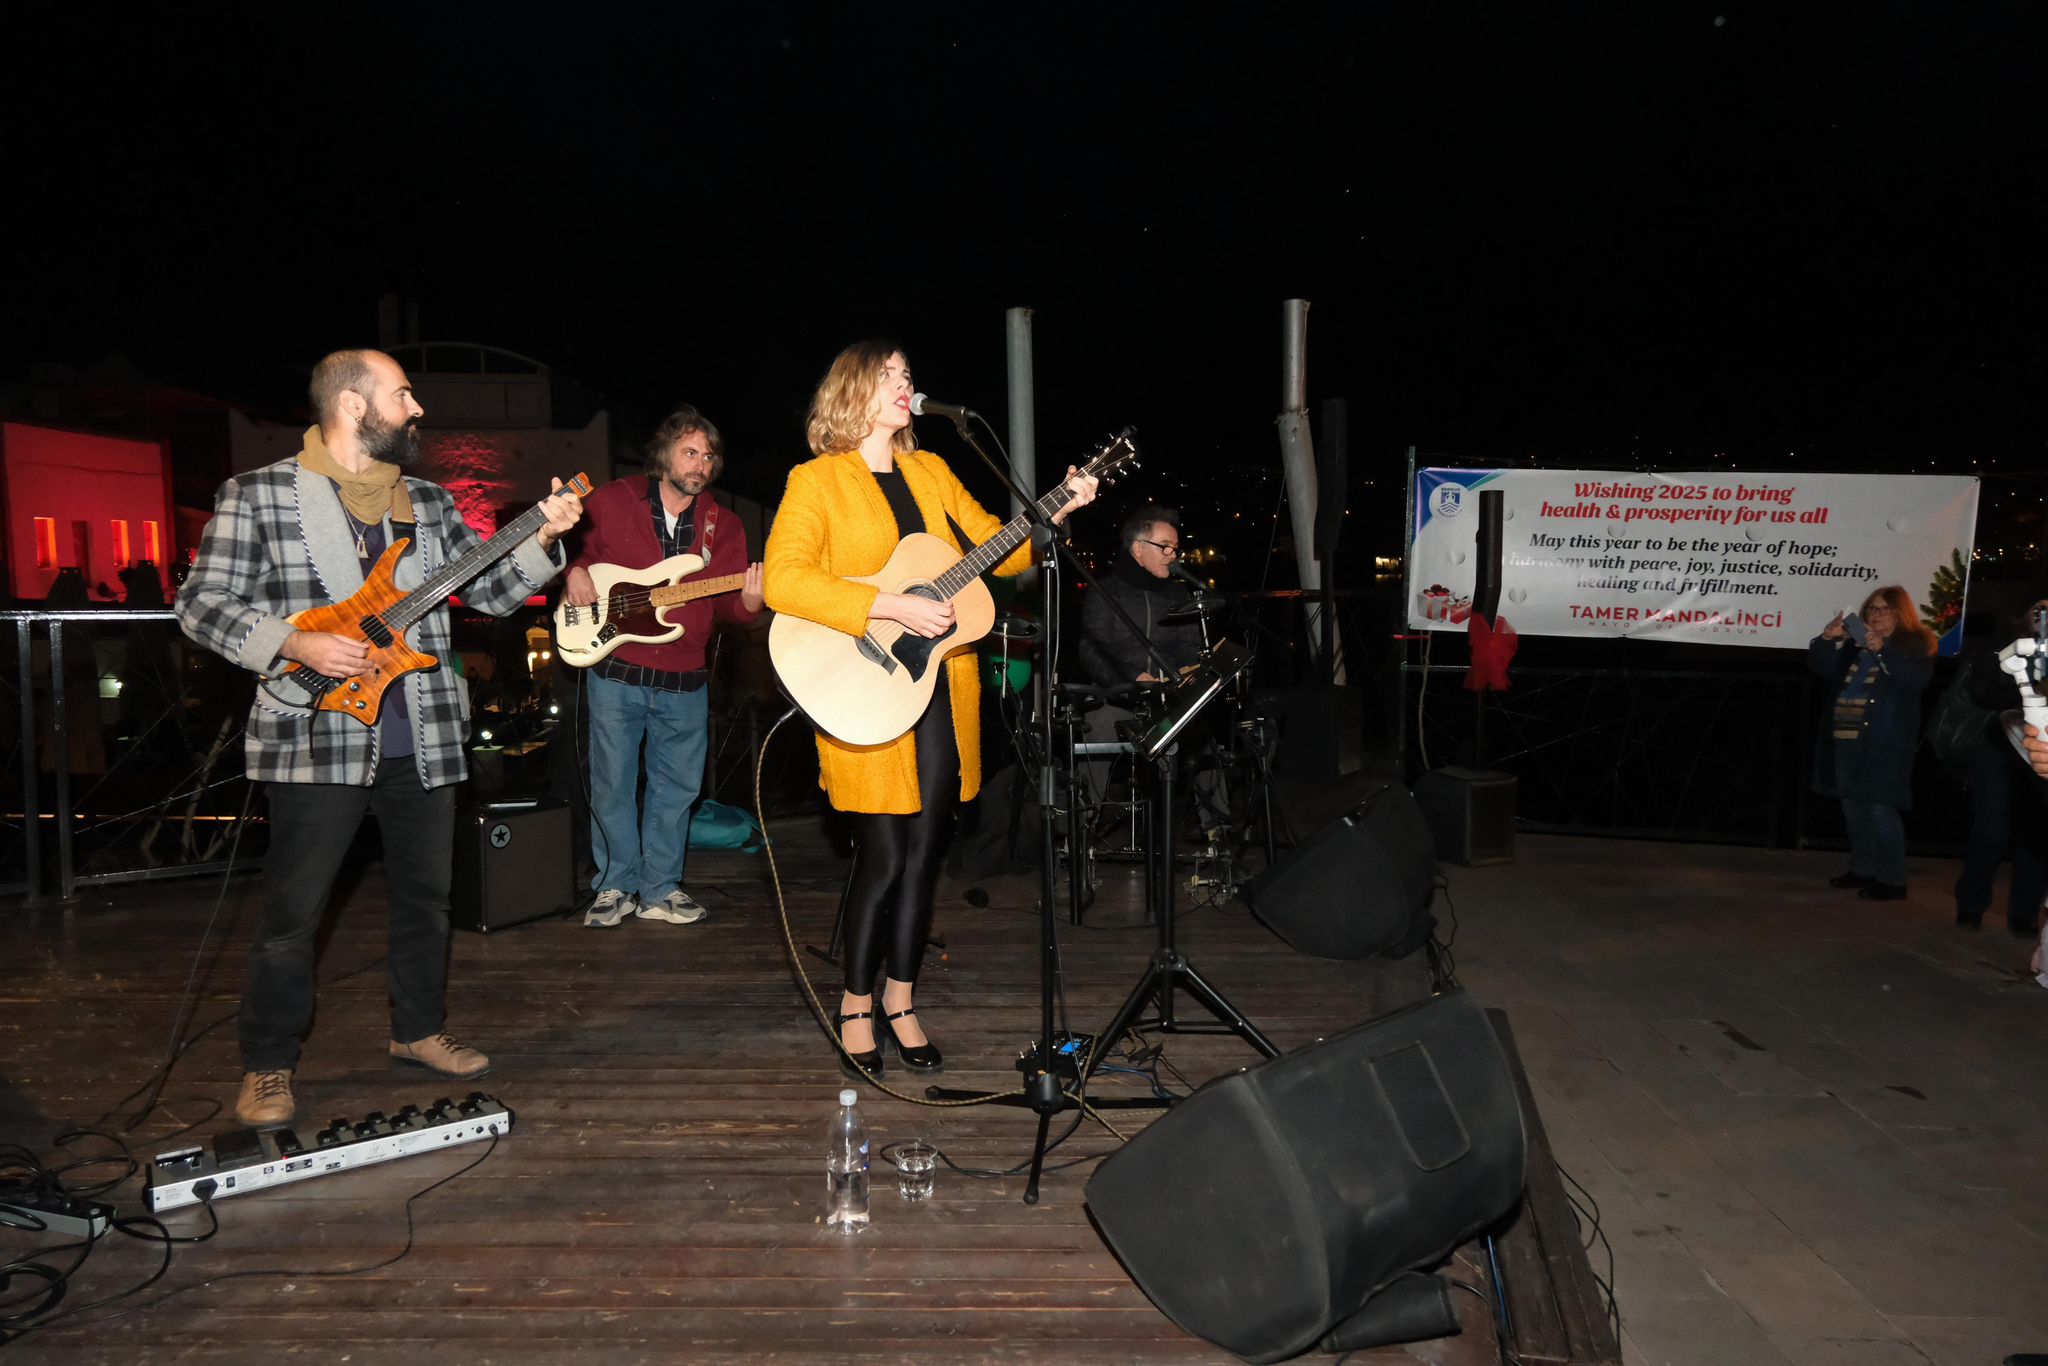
1449	500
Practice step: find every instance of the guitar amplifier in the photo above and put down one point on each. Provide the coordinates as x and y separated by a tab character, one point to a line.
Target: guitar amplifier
512	865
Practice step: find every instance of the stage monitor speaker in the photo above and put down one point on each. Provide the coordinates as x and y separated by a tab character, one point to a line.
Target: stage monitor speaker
1471	815
1359	886
1271	1205
512	865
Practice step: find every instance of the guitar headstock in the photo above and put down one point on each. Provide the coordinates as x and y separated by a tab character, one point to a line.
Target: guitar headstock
579	484
1113	457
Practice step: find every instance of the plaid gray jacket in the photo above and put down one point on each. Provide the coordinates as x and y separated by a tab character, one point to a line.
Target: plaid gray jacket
279	544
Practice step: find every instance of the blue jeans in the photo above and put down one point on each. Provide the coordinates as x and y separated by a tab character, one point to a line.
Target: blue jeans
639	846
1877	841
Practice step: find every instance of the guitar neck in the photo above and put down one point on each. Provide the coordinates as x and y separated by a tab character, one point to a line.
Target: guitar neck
998	547
696	588
453	575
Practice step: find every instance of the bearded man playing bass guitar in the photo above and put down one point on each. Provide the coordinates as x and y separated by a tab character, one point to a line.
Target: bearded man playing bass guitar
295	536
652	696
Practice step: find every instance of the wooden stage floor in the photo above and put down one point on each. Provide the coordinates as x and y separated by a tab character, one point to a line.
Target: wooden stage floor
660	1196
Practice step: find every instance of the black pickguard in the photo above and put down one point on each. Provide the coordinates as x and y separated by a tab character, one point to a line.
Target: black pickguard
914	651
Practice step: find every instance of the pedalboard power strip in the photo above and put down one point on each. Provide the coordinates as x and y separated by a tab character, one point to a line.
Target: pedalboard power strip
64	1215
245	1160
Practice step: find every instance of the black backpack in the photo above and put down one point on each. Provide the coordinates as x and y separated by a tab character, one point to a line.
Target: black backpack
1961	727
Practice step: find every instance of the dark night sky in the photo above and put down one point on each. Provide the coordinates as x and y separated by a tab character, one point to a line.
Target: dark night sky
1583	233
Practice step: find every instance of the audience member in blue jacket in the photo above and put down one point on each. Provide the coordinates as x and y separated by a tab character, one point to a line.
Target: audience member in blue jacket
1865	750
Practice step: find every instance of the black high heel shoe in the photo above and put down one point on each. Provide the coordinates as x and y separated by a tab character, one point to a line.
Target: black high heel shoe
923	1057
857	1065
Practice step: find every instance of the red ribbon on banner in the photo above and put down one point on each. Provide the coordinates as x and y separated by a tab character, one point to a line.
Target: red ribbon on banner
1493	645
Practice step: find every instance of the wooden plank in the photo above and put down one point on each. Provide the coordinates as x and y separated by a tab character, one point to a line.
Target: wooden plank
659	1197
1556	1307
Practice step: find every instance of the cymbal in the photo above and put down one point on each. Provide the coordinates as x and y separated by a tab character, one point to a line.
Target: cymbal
1196	609
1016	629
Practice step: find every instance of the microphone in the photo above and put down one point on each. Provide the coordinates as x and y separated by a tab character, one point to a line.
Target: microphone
1180	571
921	405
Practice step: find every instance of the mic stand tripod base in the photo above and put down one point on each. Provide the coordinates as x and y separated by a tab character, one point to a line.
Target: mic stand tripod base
1168	968
1042	1091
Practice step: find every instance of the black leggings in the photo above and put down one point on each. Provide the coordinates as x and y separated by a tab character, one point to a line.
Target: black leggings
889	906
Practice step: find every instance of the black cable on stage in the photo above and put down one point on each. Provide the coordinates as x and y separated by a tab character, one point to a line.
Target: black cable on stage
1443	962
182	1015
164	1236
1082	1109
1590	1213
194	1037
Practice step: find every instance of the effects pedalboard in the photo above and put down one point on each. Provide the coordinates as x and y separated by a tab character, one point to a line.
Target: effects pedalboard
245	1160
1069	1056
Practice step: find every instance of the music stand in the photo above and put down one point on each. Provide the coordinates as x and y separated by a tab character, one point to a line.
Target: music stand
1197	688
1168	968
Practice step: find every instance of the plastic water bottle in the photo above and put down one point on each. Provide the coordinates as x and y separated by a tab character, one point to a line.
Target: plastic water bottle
846	1168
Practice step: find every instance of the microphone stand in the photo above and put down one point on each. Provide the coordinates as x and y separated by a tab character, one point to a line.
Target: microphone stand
1043	1092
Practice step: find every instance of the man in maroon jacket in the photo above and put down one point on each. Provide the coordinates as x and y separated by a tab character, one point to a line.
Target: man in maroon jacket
655	694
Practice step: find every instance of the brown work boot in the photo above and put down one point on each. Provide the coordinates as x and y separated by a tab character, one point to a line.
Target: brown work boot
443	1054
266	1099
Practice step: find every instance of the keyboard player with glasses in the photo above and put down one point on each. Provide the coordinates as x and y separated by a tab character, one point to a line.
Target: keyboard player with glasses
1142	582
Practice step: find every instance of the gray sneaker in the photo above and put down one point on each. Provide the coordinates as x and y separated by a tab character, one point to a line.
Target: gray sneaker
676	908
610	907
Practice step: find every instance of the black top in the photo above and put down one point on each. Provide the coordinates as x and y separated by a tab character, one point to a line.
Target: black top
897	490
394	723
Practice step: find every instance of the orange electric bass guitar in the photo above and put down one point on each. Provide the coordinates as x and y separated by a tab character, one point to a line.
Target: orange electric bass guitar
379	614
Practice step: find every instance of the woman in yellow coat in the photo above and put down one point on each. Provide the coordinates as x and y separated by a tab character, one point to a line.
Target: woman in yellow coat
841	516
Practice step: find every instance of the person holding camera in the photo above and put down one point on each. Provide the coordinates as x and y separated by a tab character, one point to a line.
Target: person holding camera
1880	661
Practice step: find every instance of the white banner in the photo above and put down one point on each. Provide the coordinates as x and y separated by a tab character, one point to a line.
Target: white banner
1751	559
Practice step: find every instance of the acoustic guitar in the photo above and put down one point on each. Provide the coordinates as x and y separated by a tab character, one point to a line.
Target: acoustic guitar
870	688
629	607
379	614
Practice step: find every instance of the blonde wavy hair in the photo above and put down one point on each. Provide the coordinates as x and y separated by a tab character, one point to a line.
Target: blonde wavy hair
842	411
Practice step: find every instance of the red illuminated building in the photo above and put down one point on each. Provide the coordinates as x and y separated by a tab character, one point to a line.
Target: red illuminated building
85	500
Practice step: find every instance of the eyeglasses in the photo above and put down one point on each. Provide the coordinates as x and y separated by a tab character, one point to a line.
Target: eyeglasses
1163	547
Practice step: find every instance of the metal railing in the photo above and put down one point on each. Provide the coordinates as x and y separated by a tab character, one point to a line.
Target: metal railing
1685	754
174	766
1702	755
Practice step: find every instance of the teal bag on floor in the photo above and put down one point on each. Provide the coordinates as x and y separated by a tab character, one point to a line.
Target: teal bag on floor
718	826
